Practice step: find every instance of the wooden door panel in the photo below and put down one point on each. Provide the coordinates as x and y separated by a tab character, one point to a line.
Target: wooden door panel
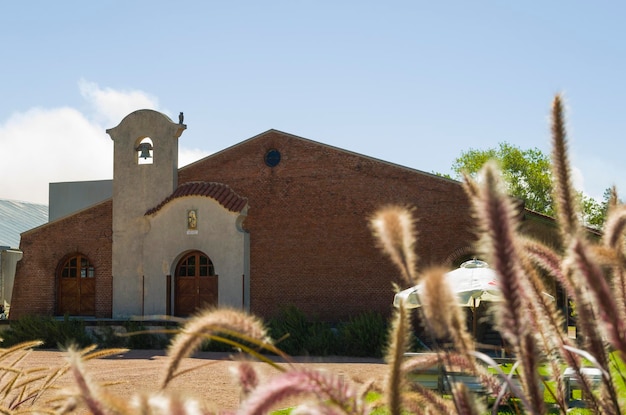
88	286
185	305
87	296
87	305
186	286
186	294
207	291
68	296
194	286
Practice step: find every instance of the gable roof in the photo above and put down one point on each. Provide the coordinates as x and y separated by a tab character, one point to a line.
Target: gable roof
222	193
17	217
308	140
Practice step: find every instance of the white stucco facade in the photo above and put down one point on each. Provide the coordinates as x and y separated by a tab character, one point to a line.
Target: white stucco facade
218	235
151	230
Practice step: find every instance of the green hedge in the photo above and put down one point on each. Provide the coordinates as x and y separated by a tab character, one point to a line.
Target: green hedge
363	335
54	333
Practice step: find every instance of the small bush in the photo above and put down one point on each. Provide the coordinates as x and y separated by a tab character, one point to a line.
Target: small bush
364	335
300	336
144	340
54	333
292	326
107	336
322	340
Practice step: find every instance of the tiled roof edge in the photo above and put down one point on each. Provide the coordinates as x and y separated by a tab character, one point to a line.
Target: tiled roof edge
220	192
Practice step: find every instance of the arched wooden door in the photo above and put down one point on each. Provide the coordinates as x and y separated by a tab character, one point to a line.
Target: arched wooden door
195	284
76	287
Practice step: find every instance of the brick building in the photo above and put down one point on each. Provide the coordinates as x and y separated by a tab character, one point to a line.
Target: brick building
272	221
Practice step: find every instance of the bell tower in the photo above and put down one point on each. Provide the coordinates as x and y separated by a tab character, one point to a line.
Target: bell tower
145	172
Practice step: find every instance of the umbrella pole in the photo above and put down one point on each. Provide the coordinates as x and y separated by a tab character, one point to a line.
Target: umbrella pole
474	326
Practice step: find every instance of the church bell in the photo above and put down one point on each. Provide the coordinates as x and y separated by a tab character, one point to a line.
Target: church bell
145	150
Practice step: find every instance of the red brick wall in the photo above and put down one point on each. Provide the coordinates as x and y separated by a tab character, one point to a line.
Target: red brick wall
309	236
87	232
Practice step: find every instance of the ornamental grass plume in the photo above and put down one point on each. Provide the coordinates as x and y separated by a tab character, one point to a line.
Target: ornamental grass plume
398	344
498	224
393	226
86	392
587	277
330	391
98	402
442	312
613	238
564	193
206	325
394	229
247	378
496	215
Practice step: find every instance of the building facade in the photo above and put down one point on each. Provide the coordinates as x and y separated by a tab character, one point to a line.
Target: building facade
275	220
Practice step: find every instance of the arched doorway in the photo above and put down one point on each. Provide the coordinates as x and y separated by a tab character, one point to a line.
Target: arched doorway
76	287
195	284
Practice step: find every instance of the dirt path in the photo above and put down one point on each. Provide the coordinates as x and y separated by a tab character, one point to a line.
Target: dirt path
212	381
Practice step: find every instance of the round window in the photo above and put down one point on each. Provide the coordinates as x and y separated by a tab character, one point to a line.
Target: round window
272	157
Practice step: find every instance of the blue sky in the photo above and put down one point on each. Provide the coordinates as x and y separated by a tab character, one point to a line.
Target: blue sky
411	82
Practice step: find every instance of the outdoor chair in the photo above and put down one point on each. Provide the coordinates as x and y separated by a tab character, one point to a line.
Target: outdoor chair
571	379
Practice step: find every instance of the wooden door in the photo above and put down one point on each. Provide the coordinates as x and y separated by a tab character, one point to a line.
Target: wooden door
76	282
195	284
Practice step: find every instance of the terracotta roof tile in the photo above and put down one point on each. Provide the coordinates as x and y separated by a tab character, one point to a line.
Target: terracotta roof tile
222	193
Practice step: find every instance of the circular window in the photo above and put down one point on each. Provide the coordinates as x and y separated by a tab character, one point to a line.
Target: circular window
272	157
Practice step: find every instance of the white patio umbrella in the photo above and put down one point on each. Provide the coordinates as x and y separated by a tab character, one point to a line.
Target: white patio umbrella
472	283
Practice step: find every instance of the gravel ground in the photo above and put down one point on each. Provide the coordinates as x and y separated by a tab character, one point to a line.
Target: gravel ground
211	380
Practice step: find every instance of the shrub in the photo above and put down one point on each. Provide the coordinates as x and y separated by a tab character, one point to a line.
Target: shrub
322	340
54	333
108	336
138	337
291	327
300	336
364	335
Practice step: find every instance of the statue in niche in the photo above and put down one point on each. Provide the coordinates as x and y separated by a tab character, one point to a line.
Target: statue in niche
192	220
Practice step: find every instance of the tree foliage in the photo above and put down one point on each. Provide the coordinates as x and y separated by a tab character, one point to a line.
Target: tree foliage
527	173
528	176
595	212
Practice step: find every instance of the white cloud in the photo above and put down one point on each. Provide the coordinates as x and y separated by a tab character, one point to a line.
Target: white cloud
111	105
50	145
44	145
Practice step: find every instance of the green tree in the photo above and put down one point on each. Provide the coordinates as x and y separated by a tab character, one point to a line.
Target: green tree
594	212
527	173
